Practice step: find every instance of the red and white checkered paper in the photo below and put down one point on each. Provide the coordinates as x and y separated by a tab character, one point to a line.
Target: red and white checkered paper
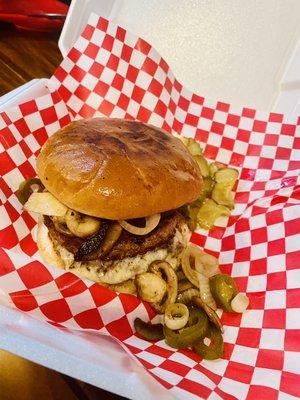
110	72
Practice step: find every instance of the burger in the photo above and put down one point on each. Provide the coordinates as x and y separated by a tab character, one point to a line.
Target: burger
113	192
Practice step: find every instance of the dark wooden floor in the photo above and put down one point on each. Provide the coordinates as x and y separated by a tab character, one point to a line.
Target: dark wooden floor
26	55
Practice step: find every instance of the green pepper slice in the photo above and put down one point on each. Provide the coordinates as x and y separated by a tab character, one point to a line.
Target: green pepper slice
148	331
26	189
196	329
223	289
215	349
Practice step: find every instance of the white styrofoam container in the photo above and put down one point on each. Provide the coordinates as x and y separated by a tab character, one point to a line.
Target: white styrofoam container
244	53
110	367
78	16
89	357
28	91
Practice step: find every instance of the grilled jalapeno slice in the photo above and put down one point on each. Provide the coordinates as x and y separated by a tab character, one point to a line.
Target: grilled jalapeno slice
195	330
223	289
215	349
148	331
27	187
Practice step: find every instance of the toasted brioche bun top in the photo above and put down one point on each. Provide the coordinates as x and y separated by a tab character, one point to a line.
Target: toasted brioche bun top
118	169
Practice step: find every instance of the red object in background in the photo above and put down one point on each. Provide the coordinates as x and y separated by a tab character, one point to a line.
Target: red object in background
38	15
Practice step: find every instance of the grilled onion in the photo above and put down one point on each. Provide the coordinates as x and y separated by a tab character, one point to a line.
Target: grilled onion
212	315
205	293
151	223
240	303
204	264
45	203
186	296
189	272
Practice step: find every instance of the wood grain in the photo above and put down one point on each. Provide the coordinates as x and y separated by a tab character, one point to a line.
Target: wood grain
26	55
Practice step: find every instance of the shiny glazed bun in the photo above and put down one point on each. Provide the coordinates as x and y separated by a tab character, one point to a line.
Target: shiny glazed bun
118	169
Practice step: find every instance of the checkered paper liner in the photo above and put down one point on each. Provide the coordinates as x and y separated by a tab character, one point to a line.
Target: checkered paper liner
110	72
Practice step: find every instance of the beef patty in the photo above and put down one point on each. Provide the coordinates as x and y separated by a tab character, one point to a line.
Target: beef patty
128	245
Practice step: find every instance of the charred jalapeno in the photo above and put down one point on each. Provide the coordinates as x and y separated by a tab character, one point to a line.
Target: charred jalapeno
148	331
195	330
215	349
223	289
27	187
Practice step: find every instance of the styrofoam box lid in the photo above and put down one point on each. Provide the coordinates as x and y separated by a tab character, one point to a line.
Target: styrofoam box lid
243	53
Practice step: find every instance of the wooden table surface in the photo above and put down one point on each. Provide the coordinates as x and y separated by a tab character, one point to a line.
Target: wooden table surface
25	56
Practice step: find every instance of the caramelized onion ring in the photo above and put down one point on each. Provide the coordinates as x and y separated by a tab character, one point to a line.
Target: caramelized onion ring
240	303
205	293
204	264
151	223
189	272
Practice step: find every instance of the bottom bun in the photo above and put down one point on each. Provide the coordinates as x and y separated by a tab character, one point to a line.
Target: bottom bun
110	272
46	247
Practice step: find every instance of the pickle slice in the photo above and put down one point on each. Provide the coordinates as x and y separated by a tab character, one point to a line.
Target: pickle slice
214	167
193	216
222	194
203	165
225	179
193	147
226	175
209	212
208	185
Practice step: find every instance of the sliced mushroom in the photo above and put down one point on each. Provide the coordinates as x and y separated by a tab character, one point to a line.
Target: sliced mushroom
82	225
150	287
91	244
127	287
164	269
61	226
113	233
